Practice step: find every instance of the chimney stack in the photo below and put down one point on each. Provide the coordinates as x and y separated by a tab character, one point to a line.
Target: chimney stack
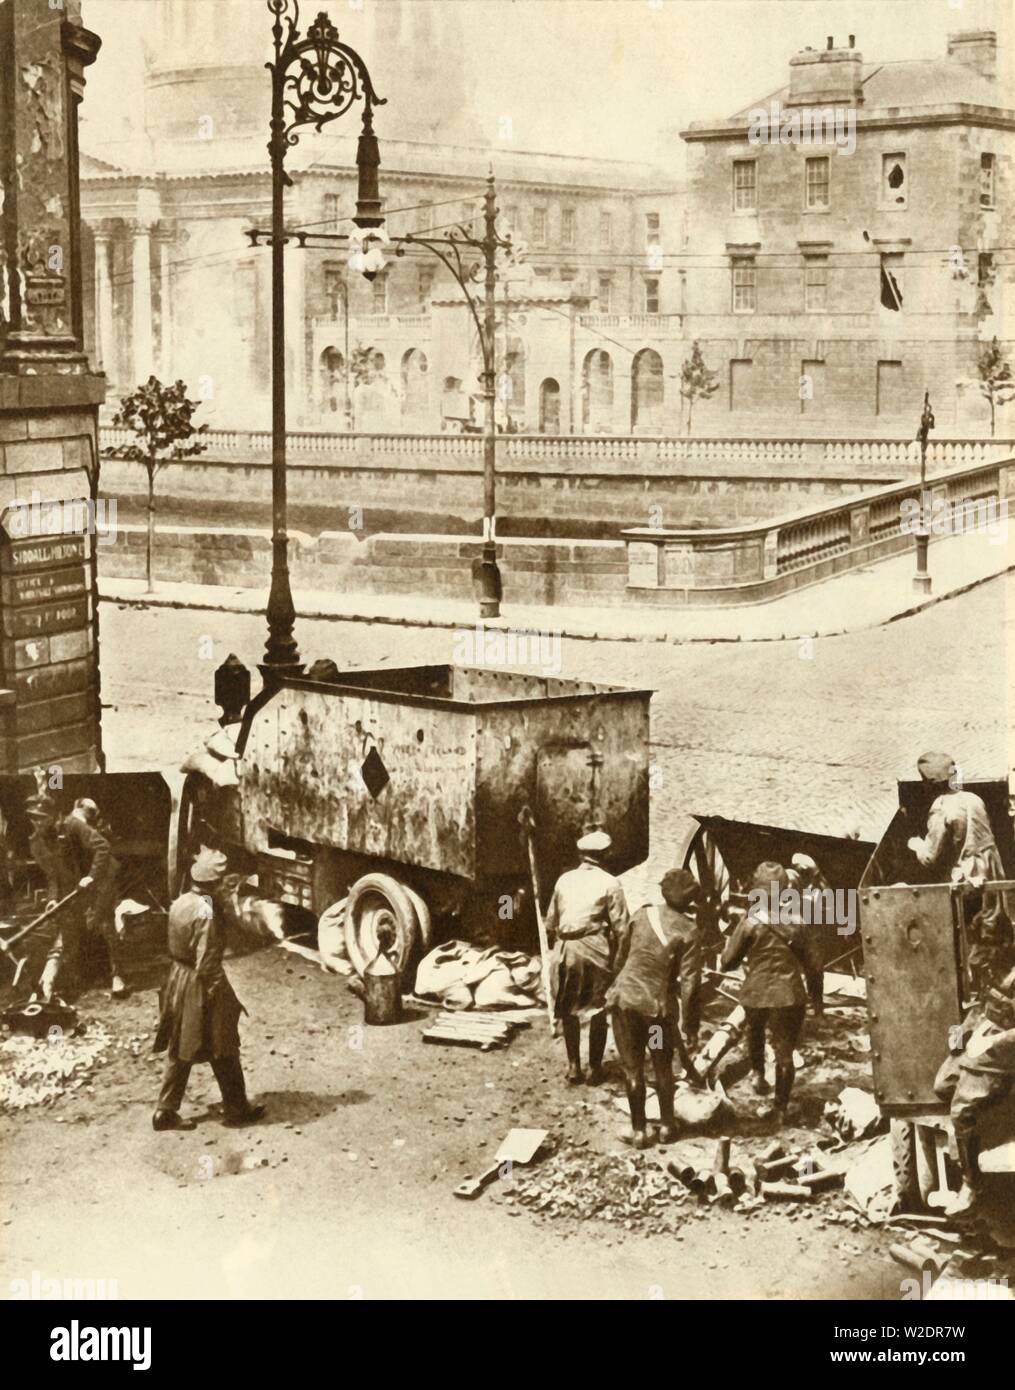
829	76
975	48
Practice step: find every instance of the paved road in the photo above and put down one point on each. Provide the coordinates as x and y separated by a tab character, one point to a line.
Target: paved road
803	733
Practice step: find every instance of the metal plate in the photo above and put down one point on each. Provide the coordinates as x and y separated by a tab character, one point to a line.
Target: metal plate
913	990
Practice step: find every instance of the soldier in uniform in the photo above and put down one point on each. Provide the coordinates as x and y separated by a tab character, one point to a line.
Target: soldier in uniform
980	1079
586	915
658	965
200	1012
91	862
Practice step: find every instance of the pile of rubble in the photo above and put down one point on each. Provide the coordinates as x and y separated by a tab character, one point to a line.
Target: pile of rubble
37	1071
576	1184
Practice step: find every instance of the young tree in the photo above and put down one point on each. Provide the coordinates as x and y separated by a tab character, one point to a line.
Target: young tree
997	385
362	364
162	419
697	382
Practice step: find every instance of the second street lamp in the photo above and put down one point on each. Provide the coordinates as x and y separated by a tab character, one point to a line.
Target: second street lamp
314	80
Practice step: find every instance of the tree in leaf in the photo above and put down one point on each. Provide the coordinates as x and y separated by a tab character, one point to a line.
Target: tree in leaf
162	420
997	385
697	382
363	364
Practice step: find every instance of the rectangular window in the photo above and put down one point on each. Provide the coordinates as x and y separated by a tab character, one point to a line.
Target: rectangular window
652	229
510	220
539	226
651	295
816	176
744	285
986	180
890	400
567	227
984	269
379	294
334	287
815	284
745	185
425	286
332	211
740	382
891	280
605	231
604	296
894	189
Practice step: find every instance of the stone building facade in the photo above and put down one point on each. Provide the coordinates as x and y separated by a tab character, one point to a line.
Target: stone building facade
177	289
49	399
834	277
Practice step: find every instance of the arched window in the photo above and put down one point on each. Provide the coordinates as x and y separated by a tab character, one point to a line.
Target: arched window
549	407
647	391
332	377
415	385
597	392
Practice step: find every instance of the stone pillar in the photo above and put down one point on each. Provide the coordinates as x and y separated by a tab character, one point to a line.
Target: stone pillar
296	329
49	398
104	333
164	241
141	264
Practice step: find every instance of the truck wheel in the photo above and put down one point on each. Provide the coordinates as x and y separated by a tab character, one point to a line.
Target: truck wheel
905	1167
380	917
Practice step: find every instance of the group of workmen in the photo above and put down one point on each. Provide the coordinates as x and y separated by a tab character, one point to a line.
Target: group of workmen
641	972
74	854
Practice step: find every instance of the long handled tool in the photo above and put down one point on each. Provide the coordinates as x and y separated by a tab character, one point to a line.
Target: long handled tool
528	829
41	920
519	1146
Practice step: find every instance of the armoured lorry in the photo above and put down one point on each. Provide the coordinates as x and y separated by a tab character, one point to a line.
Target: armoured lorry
431	799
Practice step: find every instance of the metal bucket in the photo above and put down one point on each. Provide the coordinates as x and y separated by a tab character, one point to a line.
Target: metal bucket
382	992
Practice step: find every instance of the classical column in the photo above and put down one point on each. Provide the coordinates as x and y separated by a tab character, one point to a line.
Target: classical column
104	341
165	240
296	332
142	301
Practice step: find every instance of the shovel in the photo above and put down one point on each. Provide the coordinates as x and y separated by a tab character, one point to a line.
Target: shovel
519	1146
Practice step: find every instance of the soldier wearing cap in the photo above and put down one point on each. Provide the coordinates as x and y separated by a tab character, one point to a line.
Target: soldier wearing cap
960	847
658	962
90	862
773	995
200	1012
586	915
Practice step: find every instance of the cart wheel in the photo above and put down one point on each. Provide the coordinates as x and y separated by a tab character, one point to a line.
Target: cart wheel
422	917
708	867
380	916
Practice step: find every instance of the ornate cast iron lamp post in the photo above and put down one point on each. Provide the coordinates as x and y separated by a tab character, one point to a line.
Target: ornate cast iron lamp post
314	80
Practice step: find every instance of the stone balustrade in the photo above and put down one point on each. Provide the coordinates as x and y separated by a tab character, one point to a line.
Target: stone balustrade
843	458
745	564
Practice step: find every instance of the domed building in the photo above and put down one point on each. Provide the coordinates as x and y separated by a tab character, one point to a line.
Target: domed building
177	289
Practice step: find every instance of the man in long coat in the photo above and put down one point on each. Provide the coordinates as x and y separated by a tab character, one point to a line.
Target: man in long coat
200	1012
90	860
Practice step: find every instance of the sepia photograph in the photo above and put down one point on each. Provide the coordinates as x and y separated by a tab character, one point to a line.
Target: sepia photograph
507	695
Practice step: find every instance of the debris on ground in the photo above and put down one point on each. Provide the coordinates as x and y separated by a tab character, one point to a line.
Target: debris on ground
870	1179
855	1114
694	1107
36	1071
